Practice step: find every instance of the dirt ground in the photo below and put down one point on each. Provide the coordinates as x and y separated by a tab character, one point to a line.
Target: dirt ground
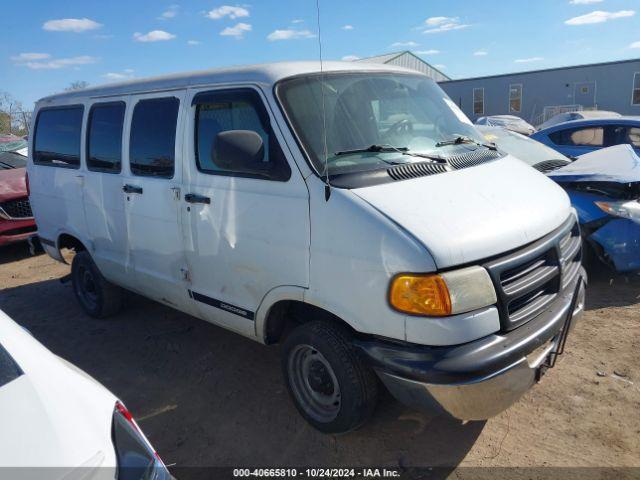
205	396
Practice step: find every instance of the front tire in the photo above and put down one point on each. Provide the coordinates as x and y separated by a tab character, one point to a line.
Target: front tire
331	386
98	297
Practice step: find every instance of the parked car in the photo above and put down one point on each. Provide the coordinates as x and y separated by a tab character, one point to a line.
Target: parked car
59	423
394	242
604	187
578	137
16	220
579	115
510	122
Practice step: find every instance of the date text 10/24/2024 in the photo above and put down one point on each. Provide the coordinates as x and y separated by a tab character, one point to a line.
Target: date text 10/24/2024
317	473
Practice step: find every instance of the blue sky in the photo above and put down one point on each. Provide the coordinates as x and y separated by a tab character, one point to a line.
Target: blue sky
47	45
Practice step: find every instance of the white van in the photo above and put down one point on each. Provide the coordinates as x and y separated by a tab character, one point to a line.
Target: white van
352	214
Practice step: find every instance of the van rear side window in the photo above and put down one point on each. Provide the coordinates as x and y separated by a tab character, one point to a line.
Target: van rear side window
104	137
153	137
57	137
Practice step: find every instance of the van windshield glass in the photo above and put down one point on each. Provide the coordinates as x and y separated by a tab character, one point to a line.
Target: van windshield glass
373	119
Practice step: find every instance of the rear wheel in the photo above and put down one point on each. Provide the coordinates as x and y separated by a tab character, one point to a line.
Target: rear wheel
332	388
98	297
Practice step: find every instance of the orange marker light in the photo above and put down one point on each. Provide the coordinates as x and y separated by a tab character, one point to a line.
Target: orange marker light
420	295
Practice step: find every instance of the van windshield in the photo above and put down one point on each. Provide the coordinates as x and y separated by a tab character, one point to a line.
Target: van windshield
398	114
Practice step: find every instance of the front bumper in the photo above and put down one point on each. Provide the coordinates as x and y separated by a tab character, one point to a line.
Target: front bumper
480	379
619	239
16	230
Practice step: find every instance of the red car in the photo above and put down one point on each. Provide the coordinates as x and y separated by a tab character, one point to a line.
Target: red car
16	219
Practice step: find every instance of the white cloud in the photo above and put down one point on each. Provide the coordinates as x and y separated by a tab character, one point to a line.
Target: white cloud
350	58
427	52
443	24
405	44
599	16
76	25
28	57
236	31
635	45
126	73
193	42
480	53
529	60
347	27
47	63
584	2
289	34
297	20
228	11
170	12
153	36
433	21
440	66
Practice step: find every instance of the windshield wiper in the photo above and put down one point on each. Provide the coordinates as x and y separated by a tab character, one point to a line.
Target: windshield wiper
392	149
373	149
460	139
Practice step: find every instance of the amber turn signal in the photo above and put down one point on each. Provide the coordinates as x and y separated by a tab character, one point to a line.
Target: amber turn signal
420	295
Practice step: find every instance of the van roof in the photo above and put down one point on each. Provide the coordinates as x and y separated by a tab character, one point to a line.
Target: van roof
266	74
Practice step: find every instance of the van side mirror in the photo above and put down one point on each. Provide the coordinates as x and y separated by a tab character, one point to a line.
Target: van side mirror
239	151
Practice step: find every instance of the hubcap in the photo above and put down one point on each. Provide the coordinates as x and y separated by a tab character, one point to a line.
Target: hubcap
313	383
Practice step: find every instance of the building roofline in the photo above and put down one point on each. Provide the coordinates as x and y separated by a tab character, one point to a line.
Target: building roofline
542	70
394	55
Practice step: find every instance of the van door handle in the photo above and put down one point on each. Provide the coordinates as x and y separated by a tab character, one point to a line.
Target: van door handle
132	189
194	198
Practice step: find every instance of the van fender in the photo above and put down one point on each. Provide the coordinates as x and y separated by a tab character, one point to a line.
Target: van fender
273	296
53	248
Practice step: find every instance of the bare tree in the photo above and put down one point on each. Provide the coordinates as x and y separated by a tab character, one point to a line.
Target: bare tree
77	85
8	105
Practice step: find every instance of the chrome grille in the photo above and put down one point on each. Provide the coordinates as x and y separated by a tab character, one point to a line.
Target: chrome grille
16	209
529	279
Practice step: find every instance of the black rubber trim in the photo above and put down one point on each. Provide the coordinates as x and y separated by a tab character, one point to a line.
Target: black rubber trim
46	241
227	307
9	369
470	361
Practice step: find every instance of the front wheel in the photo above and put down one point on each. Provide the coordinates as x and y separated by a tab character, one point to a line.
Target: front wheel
332	388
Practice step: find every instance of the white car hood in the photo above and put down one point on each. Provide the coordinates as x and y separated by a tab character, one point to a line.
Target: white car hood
53	415
474	213
619	164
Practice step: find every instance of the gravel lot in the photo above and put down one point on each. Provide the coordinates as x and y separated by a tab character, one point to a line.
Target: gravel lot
206	396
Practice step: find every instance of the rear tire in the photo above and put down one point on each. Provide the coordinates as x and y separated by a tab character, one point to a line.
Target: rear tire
331	386
97	297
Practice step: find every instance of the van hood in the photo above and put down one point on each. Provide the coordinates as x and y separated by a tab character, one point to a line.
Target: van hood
474	213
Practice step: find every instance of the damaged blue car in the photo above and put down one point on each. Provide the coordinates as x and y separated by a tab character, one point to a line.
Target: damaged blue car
604	187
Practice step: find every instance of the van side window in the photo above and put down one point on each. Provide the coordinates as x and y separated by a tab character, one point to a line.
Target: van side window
152	144
223	111
104	137
57	137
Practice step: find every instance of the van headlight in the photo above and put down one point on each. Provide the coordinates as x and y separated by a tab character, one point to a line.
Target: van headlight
438	295
625	209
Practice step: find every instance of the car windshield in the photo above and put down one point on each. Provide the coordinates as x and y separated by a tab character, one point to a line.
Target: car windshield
373	120
529	151
10	160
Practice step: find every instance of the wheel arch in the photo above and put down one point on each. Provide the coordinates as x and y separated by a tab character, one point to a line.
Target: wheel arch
285	311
